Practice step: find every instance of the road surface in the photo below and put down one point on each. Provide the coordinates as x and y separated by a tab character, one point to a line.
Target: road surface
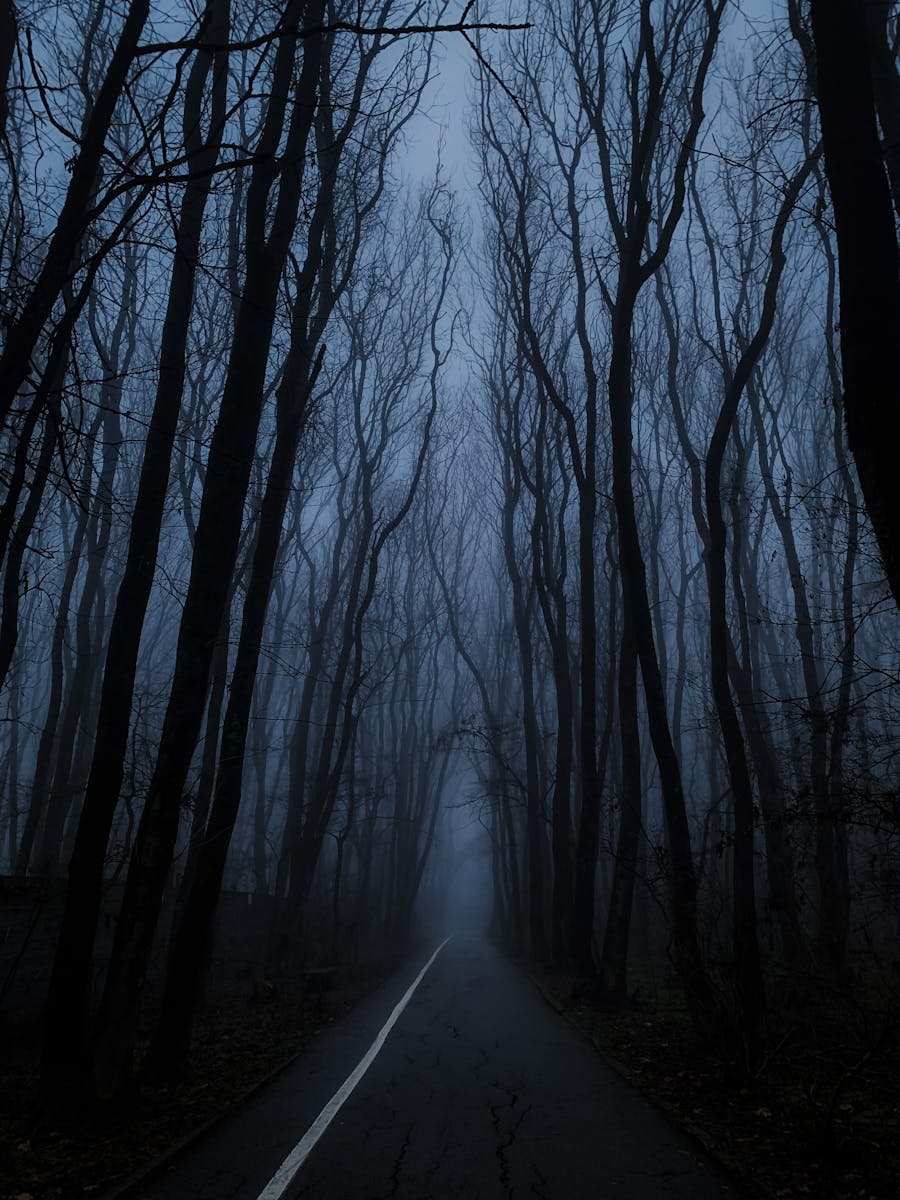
480	1091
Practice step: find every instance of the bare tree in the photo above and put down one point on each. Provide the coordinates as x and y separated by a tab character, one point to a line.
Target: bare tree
68	996
840	74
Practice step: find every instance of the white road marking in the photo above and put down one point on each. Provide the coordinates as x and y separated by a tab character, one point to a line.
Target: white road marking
284	1176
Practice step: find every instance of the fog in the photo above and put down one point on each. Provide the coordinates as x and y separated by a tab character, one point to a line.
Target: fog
444	490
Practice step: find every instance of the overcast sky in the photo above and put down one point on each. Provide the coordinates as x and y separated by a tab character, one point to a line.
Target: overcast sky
444	117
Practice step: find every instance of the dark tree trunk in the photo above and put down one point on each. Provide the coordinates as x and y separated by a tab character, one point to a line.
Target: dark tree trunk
588	840
184	976
748	971
587	844
46	751
868	262
11	773
683	879
522	598
886	89
66	1015
9	33
193	932
561	815
218	683
98	525
18	544
217	539
636	265
614	955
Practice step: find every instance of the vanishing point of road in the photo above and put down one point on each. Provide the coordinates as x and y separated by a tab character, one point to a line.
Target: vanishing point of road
479	1090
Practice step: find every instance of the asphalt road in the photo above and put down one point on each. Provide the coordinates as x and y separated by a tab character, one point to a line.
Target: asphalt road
480	1091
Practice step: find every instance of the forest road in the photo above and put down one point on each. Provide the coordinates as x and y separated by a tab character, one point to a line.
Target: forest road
480	1091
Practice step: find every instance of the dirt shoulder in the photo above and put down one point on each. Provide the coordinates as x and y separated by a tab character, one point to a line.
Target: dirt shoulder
239	1046
820	1120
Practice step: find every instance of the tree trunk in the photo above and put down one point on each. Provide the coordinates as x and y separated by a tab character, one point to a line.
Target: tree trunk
868	262
217	539
67	1003
886	89
98	524
43	767
614	955
683	882
9	33
184	975
522	608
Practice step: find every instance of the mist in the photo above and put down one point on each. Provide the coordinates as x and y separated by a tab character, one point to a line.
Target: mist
448	491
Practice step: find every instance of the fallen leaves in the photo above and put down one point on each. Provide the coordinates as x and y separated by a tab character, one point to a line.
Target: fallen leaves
801	1130
237	1045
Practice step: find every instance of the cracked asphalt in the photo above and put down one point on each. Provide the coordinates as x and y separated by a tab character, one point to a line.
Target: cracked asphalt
481	1091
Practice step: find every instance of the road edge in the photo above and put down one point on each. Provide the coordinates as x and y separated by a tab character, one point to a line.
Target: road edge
745	1184
157	1165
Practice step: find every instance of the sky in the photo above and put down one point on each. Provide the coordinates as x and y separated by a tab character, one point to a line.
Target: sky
444	120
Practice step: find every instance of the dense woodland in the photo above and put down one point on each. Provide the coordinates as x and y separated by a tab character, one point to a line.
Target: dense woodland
357	517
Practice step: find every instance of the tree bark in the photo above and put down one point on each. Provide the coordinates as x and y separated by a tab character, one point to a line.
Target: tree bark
217	539
868	262
9	33
614	954
886	89
67	1003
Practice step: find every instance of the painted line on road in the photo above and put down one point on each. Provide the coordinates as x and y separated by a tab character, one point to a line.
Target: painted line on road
284	1176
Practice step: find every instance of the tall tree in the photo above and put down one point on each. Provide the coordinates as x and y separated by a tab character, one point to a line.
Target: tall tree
840	74
649	86
317	292
66	1016
275	184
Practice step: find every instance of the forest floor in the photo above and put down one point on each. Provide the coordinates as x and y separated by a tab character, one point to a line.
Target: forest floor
819	1119
240	1044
